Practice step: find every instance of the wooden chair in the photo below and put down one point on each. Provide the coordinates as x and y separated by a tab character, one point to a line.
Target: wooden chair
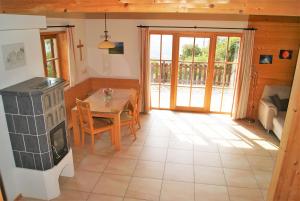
91	125
129	115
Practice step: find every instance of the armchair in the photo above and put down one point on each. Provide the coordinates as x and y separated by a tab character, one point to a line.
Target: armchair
267	111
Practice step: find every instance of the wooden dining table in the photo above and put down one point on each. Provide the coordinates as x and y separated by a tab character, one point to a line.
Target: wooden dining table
103	106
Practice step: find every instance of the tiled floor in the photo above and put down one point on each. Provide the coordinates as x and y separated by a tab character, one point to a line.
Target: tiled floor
177	157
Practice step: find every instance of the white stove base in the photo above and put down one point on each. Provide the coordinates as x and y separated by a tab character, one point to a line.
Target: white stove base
44	184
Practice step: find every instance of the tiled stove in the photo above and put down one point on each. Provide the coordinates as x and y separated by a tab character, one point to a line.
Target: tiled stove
35	114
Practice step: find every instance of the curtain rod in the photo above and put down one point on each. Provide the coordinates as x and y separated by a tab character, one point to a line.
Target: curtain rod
59	26
195	27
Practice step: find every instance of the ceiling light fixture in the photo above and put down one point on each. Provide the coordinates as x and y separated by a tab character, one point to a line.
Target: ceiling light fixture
106	44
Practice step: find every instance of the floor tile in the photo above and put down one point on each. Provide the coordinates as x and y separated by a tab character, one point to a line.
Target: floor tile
263	178
71	195
235	161
121	166
205	146
172	150
244	194
179	172
210	193
161	142
130	152
97	197
207	159
153	154
257	152
230	150
150	169
159	131
144	188
240	178
82	181
132	199
180	156
183	143
177	191
112	185
93	163
261	163
209	175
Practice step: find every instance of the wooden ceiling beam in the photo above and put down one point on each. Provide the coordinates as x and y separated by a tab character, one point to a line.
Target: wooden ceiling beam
247	7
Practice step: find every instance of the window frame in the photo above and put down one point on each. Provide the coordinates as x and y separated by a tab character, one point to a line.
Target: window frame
60	61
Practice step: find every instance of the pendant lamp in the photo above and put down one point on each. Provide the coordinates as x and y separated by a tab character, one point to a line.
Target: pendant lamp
106	44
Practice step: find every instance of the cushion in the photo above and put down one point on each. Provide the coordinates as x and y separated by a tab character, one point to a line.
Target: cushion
285	104
281	104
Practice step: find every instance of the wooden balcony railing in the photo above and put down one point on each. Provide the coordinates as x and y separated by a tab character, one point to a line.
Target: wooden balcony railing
197	72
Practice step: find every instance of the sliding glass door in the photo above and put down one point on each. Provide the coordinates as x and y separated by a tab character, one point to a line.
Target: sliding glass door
192	71
225	69
161	70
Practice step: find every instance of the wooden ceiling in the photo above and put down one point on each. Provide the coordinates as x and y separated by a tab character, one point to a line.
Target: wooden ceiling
245	7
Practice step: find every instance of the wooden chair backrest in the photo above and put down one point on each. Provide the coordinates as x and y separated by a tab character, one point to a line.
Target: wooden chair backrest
85	115
134	106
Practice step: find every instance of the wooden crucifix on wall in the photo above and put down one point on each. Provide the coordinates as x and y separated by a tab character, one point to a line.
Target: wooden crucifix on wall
80	46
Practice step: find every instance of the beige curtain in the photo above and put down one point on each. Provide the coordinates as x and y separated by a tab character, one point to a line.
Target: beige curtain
244	76
73	60
145	71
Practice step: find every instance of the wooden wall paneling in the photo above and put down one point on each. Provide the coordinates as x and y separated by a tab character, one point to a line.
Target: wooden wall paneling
285	182
79	91
270	38
97	83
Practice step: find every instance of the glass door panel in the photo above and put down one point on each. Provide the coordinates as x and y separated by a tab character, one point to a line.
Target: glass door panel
225	68
161	68
192	71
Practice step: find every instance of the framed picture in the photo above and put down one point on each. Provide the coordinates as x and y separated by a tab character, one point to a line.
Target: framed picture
119	49
285	54
14	55
265	59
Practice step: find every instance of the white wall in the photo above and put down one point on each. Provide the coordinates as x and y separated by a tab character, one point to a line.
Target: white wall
102	64
78	70
34	67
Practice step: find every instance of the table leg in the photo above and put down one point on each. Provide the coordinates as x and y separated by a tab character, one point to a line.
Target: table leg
76	133
117	129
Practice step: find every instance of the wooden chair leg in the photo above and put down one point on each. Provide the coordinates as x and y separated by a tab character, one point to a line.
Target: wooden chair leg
131	126
93	139
112	135
82	137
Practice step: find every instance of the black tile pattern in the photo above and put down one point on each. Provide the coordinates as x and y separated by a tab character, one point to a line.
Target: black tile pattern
10	123
31	125
25	105
10	103
25	112
17	142
21	125
37	104
43	141
38	161
46	159
31	143
18	161
40	124
27	160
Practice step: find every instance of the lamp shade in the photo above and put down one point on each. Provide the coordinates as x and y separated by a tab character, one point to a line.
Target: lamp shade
106	44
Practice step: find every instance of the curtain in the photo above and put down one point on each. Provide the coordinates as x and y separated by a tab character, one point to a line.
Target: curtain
145	71
244	76
72	52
